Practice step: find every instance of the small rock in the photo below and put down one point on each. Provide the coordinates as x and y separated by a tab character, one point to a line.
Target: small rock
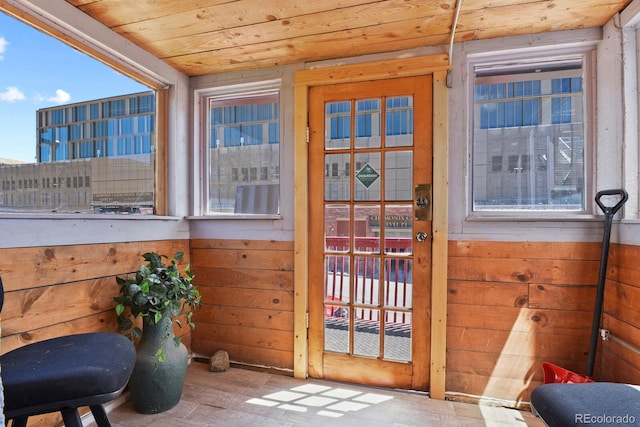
219	362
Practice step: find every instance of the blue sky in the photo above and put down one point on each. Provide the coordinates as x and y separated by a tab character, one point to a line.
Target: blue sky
37	71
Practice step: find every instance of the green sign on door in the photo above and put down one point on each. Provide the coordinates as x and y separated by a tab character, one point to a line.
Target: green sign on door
367	175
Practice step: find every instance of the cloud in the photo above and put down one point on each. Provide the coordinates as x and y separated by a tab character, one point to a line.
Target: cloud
3	47
11	94
61	97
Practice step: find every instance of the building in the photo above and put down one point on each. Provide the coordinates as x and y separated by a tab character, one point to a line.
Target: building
92	156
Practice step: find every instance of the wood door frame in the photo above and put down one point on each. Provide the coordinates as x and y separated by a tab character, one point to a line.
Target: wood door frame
436	65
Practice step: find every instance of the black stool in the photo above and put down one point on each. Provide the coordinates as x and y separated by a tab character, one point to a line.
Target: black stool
65	373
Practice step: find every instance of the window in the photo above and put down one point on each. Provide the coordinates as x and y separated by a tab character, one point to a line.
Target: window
533	116
243	153
86	148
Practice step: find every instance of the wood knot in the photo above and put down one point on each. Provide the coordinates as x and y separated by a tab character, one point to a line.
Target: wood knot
275	301
521	301
49	254
540	319
522	276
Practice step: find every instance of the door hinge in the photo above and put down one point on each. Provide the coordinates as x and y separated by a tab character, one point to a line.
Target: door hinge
307	134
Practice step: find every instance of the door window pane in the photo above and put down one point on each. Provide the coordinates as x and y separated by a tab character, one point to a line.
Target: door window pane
366	339
398	169
397	336
399	122
337	226
337	278
337	178
337	125
398	229
367	123
367	228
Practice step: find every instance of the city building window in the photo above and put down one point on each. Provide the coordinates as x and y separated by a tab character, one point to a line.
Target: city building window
242	135
533	115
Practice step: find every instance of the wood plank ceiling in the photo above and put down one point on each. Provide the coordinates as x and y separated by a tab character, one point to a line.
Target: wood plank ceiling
212	36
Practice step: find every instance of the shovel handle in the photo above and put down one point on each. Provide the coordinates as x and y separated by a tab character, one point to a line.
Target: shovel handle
611	210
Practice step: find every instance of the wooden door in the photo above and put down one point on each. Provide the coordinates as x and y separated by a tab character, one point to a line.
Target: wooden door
370	175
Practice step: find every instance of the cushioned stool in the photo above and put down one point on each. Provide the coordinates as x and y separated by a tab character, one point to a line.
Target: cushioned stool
587	404
65	373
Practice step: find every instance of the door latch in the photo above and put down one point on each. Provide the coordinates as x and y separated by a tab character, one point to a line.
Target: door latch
423	202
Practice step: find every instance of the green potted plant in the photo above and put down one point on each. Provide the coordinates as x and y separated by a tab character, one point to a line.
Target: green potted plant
158	293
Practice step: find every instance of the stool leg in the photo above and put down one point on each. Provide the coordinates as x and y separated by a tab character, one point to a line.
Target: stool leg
100	416
19	422
71	417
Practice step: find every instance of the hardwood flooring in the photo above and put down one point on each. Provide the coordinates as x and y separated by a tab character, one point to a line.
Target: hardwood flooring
241	397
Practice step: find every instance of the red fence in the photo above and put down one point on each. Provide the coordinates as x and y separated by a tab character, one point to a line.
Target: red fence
394	277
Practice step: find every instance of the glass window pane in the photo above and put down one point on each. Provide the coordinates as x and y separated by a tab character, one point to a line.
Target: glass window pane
398	169
337	278
337	177
55	156
337	229
367	123
336	297
399	122
398	229
337	125
540	133
366	339
366	285
397	336
244	137
397	282
337	329
367	228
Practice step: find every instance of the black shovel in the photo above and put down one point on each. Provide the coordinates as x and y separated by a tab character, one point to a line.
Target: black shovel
609	213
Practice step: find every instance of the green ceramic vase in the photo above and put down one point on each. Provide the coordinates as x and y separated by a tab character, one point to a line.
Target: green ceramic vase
157	386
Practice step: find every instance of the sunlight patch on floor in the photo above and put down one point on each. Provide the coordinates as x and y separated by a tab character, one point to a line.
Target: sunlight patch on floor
331	402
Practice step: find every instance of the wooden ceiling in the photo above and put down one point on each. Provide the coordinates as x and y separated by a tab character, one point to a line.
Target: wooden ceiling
212	36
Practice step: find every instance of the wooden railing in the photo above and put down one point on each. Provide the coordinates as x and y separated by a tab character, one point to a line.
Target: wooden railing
396	280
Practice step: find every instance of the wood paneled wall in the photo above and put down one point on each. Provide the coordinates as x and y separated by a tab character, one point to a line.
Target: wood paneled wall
621	316
513	305
247	293
62	290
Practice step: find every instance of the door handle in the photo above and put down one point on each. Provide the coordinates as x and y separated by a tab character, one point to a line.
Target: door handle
421	236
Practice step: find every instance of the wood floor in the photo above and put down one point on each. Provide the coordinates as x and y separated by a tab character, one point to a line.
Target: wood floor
241	397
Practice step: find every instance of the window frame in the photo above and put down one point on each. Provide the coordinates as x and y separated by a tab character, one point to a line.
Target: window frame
586	55
202	158
158	82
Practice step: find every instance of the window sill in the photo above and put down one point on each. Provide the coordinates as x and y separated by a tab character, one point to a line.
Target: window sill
85	216
232	217
519	217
